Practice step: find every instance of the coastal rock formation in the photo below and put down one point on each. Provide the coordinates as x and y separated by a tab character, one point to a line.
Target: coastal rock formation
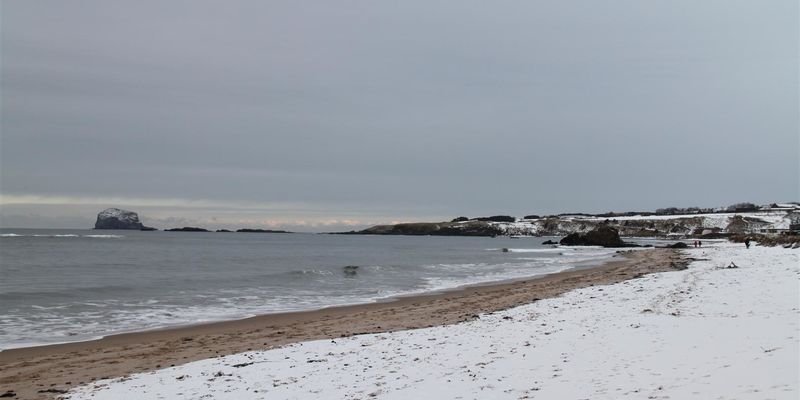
739	224
248	230
603	235
630	224
187	229
469	228
678	245
114	218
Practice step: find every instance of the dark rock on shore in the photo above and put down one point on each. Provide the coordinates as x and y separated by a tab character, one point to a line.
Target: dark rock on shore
678	245
148	228
247	230
115	218
549	242
603	235
187	229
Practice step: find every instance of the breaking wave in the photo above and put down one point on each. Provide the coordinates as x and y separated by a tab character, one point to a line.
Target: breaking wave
68	235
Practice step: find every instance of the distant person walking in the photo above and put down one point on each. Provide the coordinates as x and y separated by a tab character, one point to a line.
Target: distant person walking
747	243
699	243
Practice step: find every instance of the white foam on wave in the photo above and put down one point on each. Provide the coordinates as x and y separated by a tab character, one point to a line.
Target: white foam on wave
454	266
550	250
312	271
104	236
63	235
556	249
587	253
45	308
441	283
57	235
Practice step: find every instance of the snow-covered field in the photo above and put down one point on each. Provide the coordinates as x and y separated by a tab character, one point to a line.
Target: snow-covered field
687	222
706	333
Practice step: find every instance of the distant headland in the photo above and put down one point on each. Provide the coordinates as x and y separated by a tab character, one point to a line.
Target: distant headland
674	223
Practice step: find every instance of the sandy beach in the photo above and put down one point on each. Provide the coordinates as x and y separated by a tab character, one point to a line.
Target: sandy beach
49	371
725	328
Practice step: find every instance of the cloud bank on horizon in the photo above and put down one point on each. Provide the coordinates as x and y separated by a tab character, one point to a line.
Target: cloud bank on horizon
285	114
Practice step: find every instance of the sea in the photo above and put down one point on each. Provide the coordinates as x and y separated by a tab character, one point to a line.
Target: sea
61	286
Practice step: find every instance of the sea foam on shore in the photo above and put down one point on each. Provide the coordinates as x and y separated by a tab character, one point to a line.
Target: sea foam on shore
705	332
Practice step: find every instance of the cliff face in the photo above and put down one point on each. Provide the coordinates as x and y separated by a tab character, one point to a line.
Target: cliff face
114	218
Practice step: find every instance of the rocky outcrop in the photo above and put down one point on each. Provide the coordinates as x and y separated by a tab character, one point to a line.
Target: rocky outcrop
740	224
604	235
115	218
248	230
713	225
678	245
188	229
470	228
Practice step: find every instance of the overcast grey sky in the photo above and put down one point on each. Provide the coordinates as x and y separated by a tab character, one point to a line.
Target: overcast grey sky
322	115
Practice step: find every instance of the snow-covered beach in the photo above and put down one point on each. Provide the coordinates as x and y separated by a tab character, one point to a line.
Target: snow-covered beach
704	332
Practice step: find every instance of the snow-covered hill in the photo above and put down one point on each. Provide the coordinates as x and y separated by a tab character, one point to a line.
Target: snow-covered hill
656	225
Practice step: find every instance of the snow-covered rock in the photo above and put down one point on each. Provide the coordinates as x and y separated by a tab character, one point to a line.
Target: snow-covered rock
114	218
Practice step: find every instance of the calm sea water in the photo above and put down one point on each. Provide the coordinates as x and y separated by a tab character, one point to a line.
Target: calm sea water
70	285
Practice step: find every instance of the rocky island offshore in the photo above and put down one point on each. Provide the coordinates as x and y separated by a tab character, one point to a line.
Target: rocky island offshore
115	218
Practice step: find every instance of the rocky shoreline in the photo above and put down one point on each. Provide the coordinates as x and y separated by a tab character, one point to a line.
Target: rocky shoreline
768	220
704	226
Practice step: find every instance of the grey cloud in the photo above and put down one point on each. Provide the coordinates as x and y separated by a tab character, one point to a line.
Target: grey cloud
418	108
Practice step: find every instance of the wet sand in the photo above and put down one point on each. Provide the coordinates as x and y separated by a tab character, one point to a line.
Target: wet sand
47	371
